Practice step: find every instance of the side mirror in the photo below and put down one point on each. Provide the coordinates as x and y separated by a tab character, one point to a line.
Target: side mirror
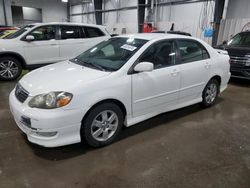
29	38
144	67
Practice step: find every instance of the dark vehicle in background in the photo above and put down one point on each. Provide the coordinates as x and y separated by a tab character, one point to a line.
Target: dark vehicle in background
239	51
173	32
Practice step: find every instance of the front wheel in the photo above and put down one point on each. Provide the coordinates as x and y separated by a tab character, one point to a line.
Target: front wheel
10	68
210	93
102	125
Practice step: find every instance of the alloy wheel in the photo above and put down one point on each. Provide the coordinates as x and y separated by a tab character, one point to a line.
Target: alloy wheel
104	125
211	93
8	69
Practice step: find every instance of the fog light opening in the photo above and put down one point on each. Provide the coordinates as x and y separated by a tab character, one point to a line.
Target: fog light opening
46	134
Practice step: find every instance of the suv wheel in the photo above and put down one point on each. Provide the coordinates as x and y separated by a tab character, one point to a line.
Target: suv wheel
10	68
102	125
210	93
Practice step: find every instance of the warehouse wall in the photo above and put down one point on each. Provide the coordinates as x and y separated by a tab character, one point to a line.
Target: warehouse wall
1	13
236	19
124	20
52	10
78	9
186	17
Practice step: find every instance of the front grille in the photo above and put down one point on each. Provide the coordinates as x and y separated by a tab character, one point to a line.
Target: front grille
20	93
239	61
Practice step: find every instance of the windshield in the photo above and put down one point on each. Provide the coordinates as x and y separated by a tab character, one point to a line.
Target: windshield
241	39
110	55
19	32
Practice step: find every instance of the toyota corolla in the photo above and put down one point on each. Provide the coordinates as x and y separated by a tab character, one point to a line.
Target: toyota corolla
119	82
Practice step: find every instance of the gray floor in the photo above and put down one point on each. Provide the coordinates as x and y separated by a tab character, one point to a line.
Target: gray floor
187	148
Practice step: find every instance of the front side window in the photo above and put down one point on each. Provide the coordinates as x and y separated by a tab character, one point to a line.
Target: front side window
110	55
44	33
192	51
93	32
71	32
162	54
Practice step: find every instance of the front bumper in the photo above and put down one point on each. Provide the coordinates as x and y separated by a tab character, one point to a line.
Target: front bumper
240	70
66	123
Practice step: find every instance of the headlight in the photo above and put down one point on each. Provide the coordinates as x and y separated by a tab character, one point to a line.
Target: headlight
51	100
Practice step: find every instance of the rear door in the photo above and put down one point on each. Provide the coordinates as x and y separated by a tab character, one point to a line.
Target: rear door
72	41
77	39
195	69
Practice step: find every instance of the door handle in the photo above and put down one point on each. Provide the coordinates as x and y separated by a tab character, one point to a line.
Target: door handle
53	44
175	72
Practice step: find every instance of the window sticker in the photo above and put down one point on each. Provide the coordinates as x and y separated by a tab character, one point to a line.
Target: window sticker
128	47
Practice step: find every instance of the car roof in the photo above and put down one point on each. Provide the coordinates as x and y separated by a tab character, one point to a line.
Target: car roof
67	23
154	36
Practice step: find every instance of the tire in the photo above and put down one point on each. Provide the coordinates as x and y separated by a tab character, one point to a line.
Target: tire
210	93
98	128
10	68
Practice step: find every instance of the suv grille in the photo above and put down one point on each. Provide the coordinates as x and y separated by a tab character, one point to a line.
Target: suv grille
20	93
239	61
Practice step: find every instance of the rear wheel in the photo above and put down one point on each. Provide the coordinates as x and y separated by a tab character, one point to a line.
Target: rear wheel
210	93
10	68
102	125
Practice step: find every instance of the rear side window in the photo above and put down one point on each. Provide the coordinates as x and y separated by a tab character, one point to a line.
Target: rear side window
192	51
71	32
93	32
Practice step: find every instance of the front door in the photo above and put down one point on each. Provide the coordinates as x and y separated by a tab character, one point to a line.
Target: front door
154	91
44	48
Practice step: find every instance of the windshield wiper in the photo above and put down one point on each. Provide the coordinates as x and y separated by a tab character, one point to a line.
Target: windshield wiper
97	66
89	64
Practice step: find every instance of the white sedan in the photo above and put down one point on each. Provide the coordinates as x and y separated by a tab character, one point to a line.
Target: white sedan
119	82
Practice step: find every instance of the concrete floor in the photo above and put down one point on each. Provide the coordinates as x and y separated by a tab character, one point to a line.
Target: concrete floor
187	148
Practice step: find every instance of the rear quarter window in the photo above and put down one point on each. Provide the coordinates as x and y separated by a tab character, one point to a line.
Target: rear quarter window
93	32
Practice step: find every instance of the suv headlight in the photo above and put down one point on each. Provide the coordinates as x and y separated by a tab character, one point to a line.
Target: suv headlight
51	100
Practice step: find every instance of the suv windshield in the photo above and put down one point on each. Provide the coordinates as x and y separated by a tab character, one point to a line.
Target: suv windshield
241	39
19	32
110	55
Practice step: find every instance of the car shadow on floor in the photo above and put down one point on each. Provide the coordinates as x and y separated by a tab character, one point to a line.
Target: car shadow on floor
74	150
239	82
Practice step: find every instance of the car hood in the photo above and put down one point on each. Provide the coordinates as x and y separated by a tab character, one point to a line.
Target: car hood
238	50
63	76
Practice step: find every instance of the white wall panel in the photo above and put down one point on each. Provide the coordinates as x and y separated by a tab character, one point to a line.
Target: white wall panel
76	9
127	19
238	9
